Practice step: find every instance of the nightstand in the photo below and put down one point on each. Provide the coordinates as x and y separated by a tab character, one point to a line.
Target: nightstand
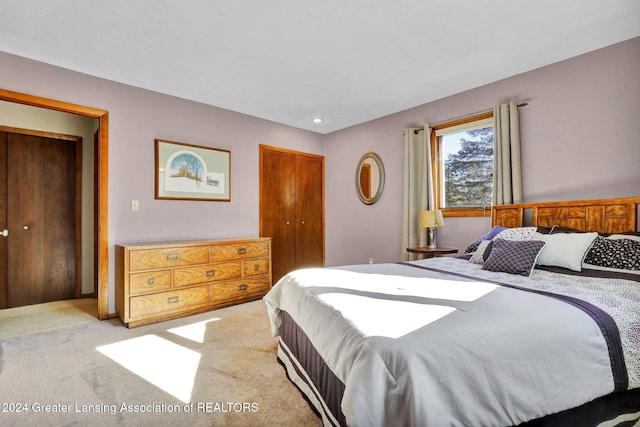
432	252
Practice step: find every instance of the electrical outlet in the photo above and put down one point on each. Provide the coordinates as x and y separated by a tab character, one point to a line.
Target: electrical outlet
370	260
135	205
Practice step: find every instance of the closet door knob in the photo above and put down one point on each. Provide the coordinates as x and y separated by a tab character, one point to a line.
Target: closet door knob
25	227
5	232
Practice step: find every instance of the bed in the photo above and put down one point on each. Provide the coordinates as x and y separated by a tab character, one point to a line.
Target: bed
537	324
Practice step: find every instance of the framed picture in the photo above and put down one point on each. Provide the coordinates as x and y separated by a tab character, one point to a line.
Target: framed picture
192	172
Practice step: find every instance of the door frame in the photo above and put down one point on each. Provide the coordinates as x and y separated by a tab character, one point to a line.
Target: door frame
102	172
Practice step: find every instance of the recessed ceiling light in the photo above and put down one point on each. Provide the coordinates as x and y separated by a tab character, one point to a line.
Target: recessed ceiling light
317	120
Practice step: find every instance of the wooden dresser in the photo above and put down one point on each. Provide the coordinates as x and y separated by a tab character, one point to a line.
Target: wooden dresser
161	281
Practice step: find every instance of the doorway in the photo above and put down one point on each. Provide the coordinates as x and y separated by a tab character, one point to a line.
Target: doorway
41	206
101	182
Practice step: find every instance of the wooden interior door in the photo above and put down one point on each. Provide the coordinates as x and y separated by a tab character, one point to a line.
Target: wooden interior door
43	195
3	220
309	211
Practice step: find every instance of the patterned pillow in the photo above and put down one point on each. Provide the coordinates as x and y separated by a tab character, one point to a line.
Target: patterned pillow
513	256
618	253
473	246
478	255
520	233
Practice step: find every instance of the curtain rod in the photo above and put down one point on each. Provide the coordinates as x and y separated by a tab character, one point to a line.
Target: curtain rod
522	104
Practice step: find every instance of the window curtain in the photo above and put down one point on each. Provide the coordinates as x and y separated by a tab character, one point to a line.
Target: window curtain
507	169
418	188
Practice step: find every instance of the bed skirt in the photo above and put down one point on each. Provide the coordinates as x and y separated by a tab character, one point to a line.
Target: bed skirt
323	390
306	369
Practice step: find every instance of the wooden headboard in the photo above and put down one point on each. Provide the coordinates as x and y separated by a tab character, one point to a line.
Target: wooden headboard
602	215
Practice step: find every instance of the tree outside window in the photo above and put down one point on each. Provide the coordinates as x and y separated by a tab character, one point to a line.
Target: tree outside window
463	165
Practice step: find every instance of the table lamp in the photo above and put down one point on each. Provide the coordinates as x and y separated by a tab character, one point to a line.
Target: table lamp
430	220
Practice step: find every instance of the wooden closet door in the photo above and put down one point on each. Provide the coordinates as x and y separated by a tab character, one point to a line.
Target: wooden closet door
292	208
309	211
277	208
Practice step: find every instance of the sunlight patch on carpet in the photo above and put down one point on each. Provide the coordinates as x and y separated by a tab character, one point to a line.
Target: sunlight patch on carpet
194	331
163	363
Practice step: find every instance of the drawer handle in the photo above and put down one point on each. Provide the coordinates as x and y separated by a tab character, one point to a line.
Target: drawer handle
172	257
256	267
173	300
242	251
243	287
151	281
210	273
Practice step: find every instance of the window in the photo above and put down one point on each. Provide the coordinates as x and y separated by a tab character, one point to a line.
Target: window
462	160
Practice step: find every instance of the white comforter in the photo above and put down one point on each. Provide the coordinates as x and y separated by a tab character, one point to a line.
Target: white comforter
444	350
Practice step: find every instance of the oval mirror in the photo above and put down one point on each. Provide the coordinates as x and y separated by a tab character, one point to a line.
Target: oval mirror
370	178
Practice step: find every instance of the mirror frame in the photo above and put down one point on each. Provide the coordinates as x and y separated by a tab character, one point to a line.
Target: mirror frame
374	198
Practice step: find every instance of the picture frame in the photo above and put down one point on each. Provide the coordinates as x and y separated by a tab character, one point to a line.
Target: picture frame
191	172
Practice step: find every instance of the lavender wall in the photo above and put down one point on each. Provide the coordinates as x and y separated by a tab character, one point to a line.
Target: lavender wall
580	140
136	118
579	135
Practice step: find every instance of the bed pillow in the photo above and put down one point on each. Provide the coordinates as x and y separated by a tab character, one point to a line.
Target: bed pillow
479	255
614	252
519	233
565	250
473	246
634	237
628	234
513	256
556	229
544	230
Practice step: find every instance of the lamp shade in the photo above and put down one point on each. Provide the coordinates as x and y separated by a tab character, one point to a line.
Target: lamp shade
430	219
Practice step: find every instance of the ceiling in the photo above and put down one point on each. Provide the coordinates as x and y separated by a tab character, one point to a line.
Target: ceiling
291	60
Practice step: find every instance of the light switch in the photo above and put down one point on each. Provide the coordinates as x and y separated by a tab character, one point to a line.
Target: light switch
135	205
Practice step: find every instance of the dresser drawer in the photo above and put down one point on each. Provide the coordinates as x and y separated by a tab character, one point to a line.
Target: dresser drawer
206	273
255	267
238	289
147	259
151	281
167	280
240	250
164	302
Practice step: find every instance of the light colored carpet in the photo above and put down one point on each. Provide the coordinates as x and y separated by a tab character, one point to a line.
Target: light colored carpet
32	319
211	369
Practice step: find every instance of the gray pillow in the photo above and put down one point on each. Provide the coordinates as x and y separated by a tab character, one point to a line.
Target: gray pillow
513	256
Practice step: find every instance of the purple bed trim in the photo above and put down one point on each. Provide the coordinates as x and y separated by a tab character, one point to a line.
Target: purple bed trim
590	414
605	322
331	389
